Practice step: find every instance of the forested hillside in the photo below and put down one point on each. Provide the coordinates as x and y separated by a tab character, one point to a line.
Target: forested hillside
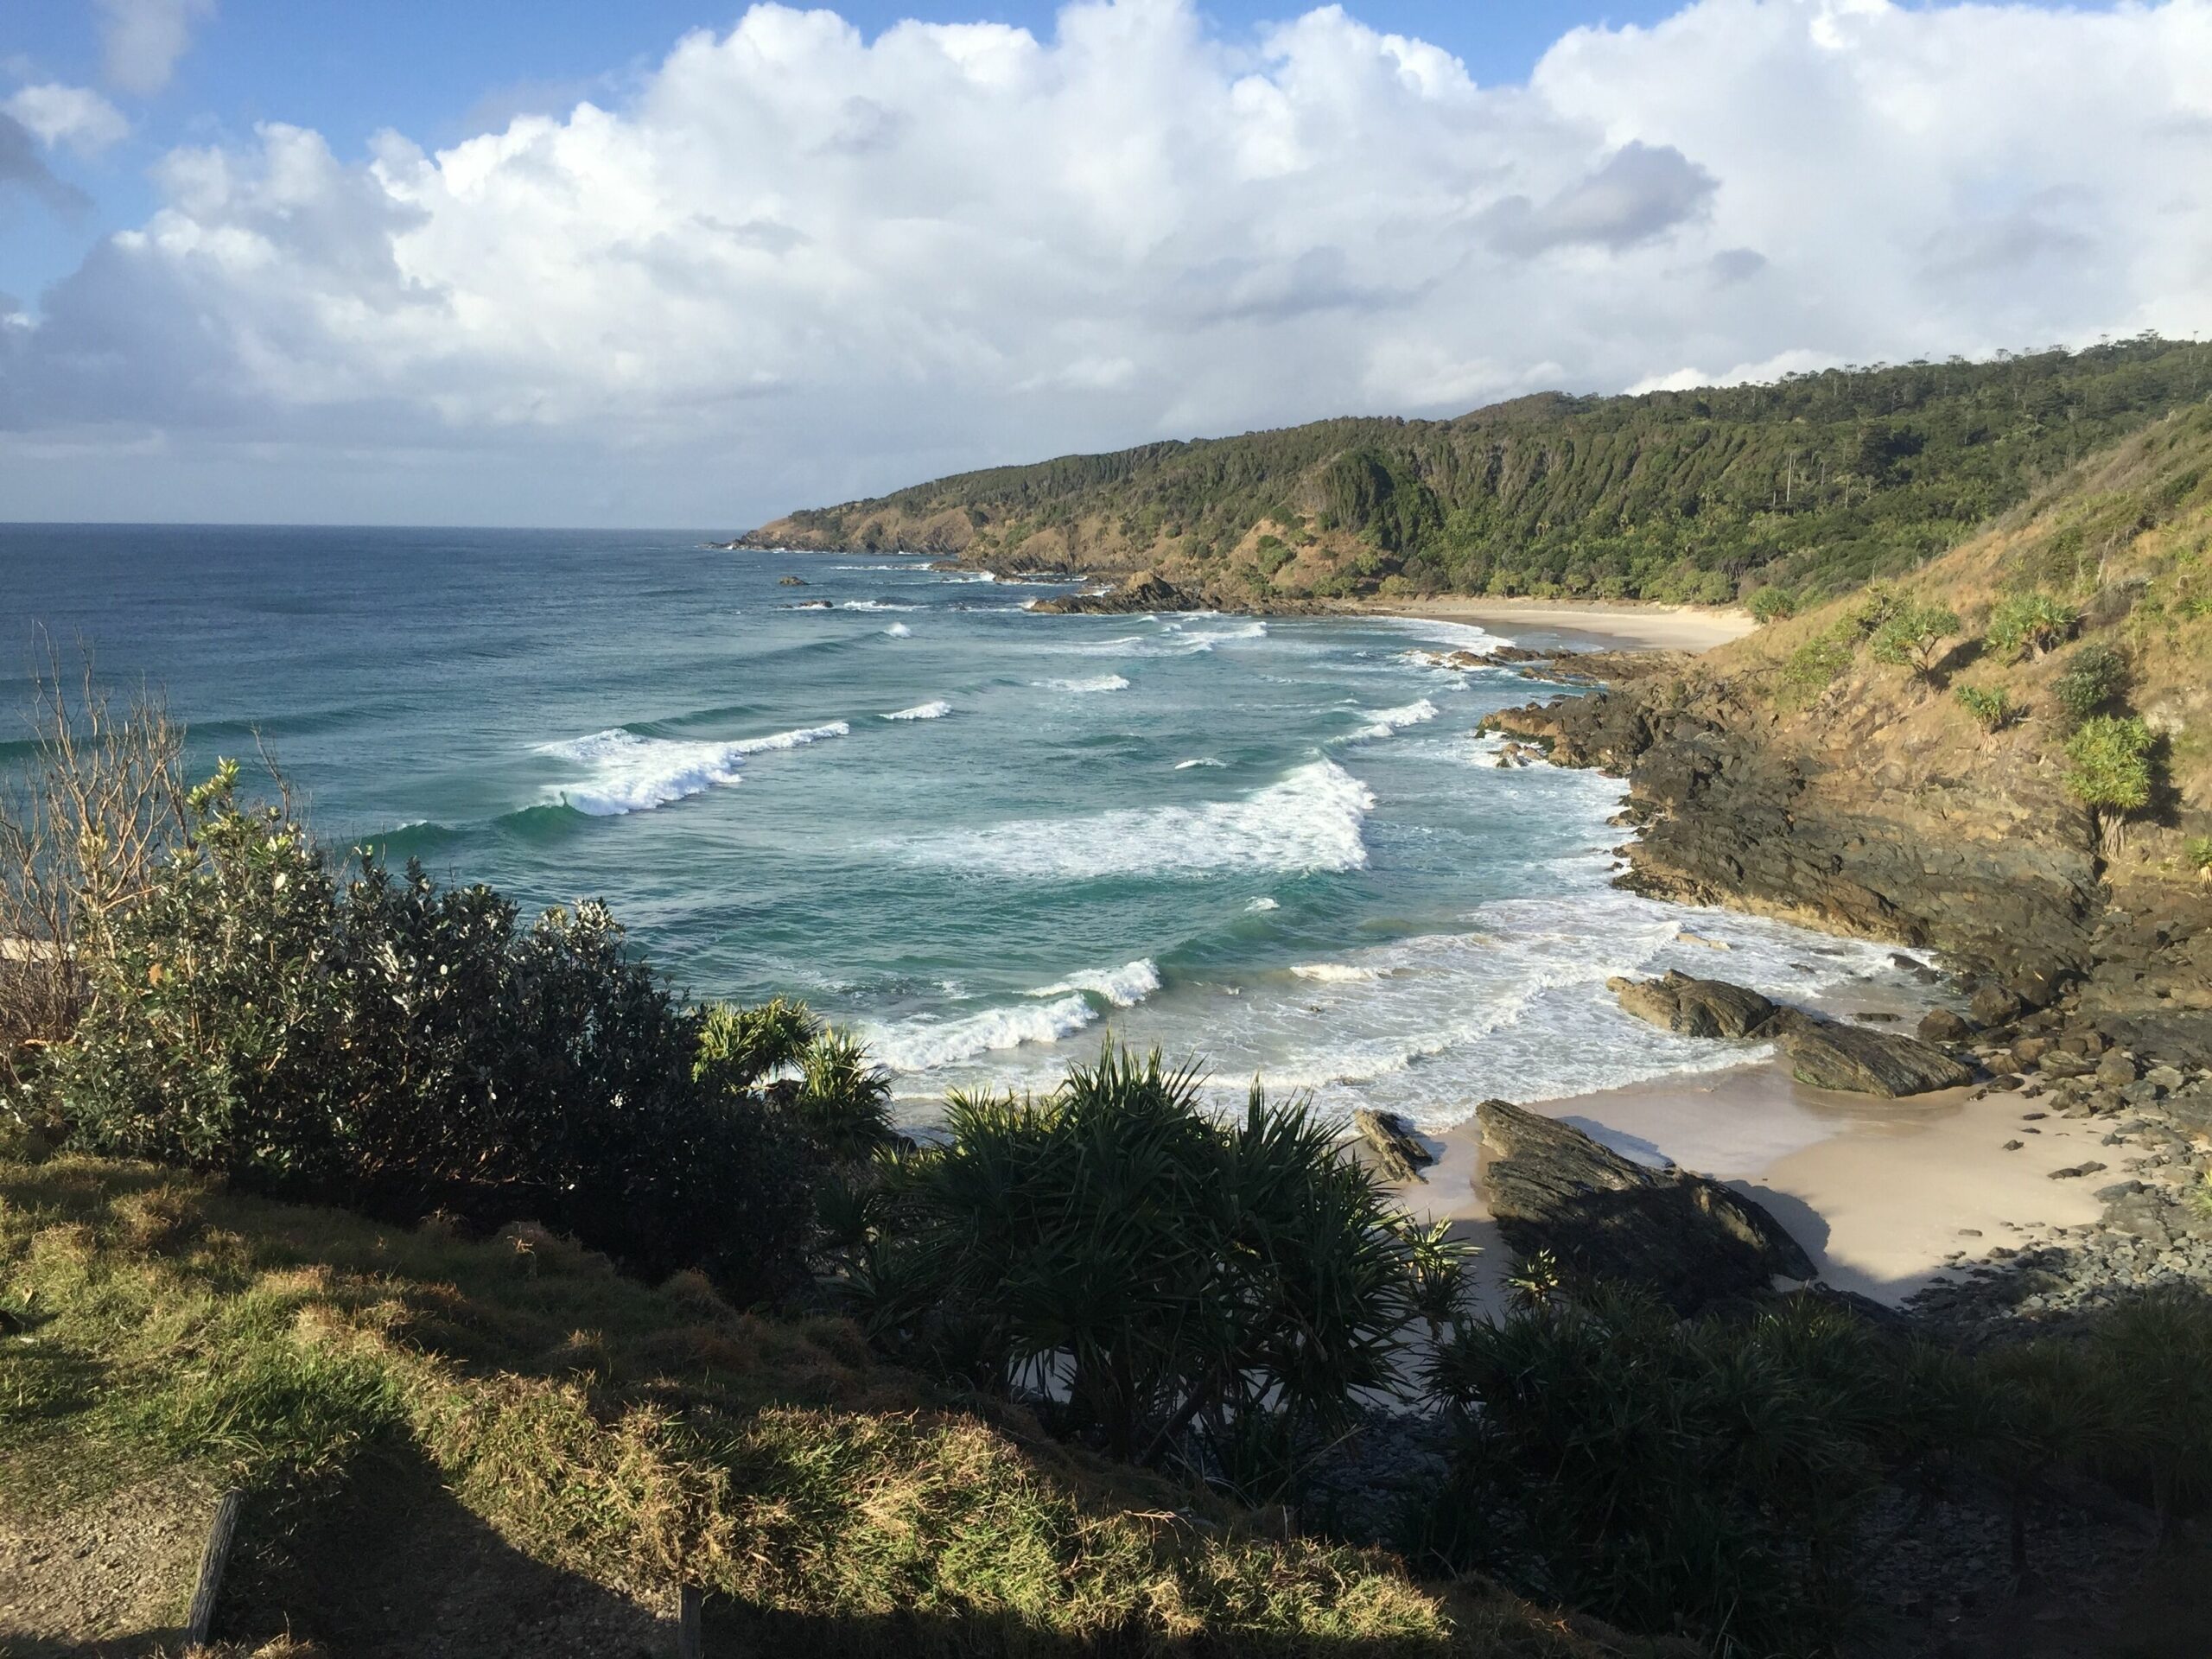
1812	485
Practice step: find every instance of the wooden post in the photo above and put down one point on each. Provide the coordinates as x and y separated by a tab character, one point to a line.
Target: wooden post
687	1623
201	1618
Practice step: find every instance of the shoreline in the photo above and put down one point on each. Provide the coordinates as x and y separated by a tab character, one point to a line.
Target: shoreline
1611	623
1896	1196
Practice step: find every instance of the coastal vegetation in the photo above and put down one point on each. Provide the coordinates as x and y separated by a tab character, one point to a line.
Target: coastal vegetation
1806	488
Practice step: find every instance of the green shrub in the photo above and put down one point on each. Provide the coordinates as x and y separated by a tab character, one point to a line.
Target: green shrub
403	1049
1773	605
2093	678
1911	636
1163	1270
2108	772
1818	663
1707	1476
2033	622
1990	706
2197	851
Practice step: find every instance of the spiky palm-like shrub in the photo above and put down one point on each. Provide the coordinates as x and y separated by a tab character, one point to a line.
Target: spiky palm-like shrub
2032	622
1992	705
2108	771
1912	636
1162	1270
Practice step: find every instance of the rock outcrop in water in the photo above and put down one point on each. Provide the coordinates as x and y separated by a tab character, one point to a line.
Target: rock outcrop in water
1141	591
1686	1237
1694	1008
1827	1054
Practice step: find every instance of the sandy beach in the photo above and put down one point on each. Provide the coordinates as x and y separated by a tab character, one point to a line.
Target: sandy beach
1648	627
1887	1196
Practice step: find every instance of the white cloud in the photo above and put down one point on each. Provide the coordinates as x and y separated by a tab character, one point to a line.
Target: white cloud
798	265
76	116
142	40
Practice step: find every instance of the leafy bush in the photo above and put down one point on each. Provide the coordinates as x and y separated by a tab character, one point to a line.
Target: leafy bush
2197	849
2108	772
1773	605
1818	663
1160	1270
1911	635
2096	675
1706	1477
1992	705
2033	622
387	1045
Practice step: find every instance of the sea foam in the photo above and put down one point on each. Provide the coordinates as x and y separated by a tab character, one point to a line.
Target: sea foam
1387	721
926	1045
1098	683
1124	987
937	710
1308	820
898	631
630	774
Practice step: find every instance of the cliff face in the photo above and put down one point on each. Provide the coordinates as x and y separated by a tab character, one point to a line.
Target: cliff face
1794	773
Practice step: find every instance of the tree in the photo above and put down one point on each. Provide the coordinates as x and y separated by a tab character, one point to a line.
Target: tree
1773	603
2110	773
2033	622
1912	636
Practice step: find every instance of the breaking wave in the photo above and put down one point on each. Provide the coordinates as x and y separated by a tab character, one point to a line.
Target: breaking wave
937	710
630	774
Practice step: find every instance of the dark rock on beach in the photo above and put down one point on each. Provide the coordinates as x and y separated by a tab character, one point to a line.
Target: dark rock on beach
1686	1237
1826	1055
1694	1008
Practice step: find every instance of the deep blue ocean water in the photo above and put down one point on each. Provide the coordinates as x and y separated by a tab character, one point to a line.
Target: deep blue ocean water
984	835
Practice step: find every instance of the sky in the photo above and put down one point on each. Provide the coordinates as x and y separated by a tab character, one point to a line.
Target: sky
552	262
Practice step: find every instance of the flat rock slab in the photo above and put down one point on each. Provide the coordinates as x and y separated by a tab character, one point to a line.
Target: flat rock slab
1686	1237
1826	1055
1694	1008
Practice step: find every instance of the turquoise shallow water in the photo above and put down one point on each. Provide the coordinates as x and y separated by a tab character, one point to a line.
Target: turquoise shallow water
985	837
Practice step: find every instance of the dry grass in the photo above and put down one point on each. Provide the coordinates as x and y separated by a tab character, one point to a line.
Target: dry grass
627	1434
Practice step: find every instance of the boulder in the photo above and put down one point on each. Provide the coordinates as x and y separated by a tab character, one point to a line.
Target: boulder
1942	1025
1830	1056
1694	1008
2115	1071
1686	1237
1144	591
1392	1144
1993	1005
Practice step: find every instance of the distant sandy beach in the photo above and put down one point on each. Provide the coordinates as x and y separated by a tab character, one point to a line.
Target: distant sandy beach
1880	1201
1640	627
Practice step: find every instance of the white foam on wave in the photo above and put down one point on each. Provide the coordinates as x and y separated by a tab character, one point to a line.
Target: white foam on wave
1336	973
937	710
965	575
1460	636
927	1045
1200	760
1387	721
630	774
1124	987
898	631
1309	819
1263	903
876	605
1096	683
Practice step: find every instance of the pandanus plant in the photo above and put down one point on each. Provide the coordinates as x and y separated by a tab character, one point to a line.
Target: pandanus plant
1146	1270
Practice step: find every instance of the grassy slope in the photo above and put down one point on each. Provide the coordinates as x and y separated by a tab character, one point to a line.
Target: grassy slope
2126	536
1817	483
605	1434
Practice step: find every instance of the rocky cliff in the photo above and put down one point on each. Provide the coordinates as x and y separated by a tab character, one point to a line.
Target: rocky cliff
1797	772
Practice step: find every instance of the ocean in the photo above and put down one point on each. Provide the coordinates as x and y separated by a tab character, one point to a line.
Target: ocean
987	838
